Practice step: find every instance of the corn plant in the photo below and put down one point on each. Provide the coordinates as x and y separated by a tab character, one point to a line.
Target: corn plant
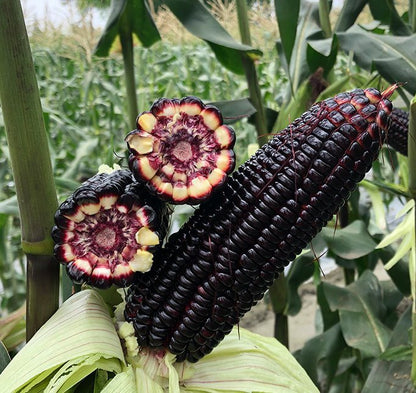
333	145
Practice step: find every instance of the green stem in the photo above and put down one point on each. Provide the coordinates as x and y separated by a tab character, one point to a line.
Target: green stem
412	15
251	75
411	151
126	39
278	297
324	18
30	162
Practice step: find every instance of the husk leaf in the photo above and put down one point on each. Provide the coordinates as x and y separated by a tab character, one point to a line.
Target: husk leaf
78	339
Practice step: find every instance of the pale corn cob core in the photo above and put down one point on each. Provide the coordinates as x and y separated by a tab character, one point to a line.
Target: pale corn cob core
181	150
224	258
107	230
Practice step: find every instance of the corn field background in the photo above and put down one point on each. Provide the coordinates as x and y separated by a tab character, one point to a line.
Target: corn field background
85	111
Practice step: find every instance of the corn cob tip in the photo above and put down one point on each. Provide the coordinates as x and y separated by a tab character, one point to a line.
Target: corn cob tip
181	149
391	89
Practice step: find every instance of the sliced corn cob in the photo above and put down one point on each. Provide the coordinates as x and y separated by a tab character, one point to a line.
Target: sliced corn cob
225	257
398	131
107	230
181	149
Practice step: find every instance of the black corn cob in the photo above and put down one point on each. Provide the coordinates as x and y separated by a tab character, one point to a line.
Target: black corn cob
224	258
398	131
107	230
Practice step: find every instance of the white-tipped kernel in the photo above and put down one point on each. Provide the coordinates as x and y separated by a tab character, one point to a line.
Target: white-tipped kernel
146	121
199	187
147	237
142	217
66	252
145	167
142	261
224	160
90	208
143	144
217	176
180	192
77	216
211	118
83	265
224	136
122	270
108	201
192	109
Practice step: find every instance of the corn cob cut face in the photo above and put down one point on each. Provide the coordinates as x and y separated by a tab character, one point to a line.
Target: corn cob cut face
181	150
220	263
107	230
397	134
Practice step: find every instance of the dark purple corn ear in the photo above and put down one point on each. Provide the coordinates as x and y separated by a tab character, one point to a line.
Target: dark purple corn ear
107	230
225	257
397	133
181	149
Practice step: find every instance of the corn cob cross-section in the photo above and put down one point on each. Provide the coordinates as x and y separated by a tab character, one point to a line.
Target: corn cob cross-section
181	150
220	263
107	229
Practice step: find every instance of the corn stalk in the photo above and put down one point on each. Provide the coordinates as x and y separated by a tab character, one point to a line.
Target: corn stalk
251	74
126	39
412	190
30	161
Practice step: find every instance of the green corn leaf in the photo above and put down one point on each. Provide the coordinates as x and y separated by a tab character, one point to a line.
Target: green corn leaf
199	21
9	206
385	12
235	110
401	352
13	328
298	69
403	228
350	242
388	376
391	188
394	57
361	309
405	246
83	152
140	23
78	339
287	14
377	206
299	102
321	354
4	357
349	13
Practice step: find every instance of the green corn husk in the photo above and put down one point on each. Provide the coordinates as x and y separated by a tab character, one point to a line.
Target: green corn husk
81	338
77	340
